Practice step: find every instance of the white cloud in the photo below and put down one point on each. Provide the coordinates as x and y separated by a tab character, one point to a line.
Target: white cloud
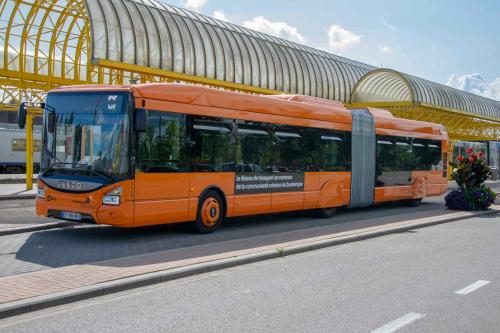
387	24
385	49
220	15
278	29
339	38
476	84
195	5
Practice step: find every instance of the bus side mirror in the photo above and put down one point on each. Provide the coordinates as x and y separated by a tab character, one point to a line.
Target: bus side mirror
51	120
141	120
21	115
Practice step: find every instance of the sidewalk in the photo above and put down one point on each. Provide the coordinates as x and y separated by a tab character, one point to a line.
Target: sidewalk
18	215
40	289
15	178
16	191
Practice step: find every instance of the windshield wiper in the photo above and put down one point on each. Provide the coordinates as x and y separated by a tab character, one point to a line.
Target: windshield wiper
93	172
53	167
100	174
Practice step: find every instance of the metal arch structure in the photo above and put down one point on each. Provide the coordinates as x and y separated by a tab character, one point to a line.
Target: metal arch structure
465	116
48	43
142	35
43	44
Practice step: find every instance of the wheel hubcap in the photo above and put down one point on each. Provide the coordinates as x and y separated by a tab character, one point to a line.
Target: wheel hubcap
210	212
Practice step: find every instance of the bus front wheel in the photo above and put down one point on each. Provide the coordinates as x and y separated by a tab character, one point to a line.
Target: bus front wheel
210	213
326	213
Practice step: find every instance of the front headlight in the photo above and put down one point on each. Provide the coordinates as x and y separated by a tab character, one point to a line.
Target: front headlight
112	197
40	193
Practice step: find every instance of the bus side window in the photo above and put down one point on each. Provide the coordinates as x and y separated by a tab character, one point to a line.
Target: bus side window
211	145
434	154
314	154
254	147
385	160
162	147
427	154
404	157
419	147
288	149
385	153
327	150
336	149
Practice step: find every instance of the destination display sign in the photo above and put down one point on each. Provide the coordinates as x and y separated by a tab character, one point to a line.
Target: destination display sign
251	183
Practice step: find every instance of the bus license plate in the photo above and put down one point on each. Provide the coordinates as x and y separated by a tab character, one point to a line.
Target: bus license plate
71	216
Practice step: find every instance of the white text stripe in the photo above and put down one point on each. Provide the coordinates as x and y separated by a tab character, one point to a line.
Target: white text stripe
470	288
399	323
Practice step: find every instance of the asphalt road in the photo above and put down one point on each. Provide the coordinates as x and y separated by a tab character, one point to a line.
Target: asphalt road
19	213
32	251
444	278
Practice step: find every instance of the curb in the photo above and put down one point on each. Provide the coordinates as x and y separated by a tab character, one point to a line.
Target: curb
17	197
101	289
34	227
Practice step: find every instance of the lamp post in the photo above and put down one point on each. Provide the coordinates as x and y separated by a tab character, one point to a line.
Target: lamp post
25	115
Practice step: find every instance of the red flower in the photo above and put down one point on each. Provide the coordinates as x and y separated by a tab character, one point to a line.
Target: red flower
474	157
470	159
469	151
481	154
460	158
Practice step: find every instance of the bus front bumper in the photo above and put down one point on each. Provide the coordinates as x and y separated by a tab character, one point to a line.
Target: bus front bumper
86	207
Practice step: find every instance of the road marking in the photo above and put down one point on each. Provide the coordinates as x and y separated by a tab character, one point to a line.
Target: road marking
472	287
399	323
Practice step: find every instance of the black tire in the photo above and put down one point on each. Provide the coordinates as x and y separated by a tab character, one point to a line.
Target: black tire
326	213
413	202
210	213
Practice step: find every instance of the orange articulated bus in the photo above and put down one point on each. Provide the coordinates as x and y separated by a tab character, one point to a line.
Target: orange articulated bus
151	154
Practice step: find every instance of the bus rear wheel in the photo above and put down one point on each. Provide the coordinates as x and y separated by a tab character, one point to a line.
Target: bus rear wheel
326	213
210	213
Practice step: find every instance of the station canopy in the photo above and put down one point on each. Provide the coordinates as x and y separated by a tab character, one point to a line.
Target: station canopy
48	43
466	116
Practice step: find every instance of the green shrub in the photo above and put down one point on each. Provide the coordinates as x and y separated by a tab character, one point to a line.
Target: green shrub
470	173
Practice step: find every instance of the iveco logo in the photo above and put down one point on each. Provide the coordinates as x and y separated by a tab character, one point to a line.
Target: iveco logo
69	185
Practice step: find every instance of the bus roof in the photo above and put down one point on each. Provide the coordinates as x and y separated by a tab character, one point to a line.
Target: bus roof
297	106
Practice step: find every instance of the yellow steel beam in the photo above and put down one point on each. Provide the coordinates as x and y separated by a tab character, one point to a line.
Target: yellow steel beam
429	107
184	77
29	151
42	78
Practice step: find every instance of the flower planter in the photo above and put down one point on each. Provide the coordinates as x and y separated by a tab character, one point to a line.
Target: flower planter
470	173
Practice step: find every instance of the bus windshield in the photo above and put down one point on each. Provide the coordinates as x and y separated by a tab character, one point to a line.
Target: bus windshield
86	134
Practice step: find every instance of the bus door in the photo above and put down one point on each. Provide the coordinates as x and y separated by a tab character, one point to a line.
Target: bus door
162	175
253	168
385	168
287	173
394	165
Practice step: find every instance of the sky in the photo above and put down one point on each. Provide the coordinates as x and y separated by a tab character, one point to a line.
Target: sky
451	42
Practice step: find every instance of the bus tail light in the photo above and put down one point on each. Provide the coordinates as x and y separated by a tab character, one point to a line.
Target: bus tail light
112	197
